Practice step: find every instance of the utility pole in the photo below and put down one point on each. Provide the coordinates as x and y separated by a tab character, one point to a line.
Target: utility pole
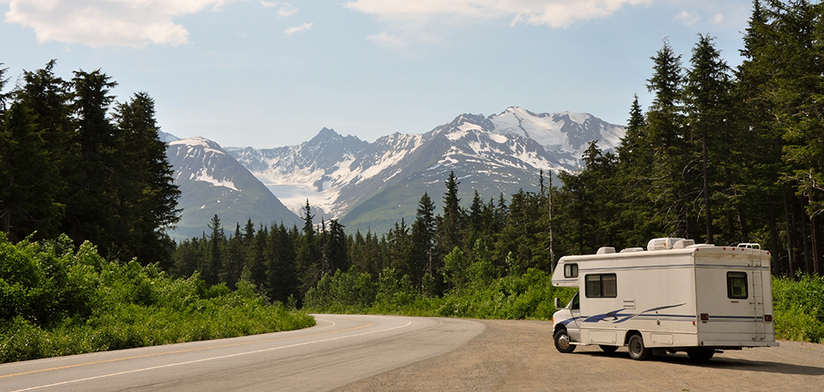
551	244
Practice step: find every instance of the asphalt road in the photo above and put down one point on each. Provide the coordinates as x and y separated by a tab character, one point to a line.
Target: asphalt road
339	350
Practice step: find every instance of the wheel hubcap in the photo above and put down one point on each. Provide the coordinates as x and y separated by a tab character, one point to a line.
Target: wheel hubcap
563	341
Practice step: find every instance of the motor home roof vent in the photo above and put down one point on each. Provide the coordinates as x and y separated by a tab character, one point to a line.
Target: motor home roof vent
605	250
662	243
681	244
628	250
749	245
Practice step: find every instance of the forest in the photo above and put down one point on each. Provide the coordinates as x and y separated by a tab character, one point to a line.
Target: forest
722	155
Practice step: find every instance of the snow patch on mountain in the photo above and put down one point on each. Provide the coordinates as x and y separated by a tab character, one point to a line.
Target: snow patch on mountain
564	133
204	176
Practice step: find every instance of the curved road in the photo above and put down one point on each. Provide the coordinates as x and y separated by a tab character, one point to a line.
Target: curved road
338	351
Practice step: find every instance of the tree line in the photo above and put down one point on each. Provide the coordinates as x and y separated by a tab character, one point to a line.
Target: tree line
75	161
286	262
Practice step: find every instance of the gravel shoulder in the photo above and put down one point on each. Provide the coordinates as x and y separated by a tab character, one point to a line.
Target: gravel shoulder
519	355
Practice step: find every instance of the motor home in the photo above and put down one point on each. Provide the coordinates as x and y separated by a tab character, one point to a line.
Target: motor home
674	296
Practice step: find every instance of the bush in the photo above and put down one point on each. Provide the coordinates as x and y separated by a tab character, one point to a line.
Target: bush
798	307
64	302
527	296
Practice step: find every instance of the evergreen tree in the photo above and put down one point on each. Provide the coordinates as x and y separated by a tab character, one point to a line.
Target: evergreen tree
337	247
281	271
212	267
670	193
27	177
145	189
709	116
450	227
308	253
423	242
91	208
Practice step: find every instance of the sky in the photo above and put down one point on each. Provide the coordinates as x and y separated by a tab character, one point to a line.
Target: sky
274	73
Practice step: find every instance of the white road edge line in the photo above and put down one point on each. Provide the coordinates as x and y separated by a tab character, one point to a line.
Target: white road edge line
209	359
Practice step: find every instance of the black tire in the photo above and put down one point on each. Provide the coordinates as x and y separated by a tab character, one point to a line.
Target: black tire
701	355
608	349
562	341
637	350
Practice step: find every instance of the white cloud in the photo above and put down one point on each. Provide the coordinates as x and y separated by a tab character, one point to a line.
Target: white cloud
298	29
389	41
718	18
284	9
553	13
98	23
687	18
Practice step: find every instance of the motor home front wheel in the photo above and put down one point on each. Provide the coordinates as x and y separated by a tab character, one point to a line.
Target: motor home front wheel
562	342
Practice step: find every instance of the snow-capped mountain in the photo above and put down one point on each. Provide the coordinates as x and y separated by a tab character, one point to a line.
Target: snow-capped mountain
373	185
564	135
213	182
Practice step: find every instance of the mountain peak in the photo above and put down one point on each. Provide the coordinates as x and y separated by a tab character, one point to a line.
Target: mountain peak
198	141
578	118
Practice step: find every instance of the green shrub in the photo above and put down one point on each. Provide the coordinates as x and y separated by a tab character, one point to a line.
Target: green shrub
63	302
798	308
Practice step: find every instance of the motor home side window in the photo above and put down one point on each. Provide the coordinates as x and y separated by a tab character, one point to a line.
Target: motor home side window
571	270
737	285
601	286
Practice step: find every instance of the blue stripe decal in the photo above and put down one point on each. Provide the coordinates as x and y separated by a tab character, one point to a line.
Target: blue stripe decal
619	316
657	266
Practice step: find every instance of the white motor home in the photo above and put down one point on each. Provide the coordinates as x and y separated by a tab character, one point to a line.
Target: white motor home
674	296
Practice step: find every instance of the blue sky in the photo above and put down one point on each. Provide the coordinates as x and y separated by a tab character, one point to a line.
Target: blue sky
273	73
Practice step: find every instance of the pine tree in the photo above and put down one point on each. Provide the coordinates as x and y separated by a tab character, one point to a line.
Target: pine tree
423	242
145	189
27	177
450	227
91	208
709	117
212	267
666	136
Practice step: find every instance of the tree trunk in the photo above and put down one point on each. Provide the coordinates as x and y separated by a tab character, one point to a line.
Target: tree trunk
774	241
805	243
708	212
742	221
815	234
790	271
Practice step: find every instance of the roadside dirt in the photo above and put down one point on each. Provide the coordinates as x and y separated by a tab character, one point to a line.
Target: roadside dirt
520	356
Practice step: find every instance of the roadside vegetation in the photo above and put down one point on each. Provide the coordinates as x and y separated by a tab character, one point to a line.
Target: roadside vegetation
799	308
58	300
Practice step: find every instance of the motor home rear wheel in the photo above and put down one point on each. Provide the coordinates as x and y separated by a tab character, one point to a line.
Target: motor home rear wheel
637	350
562	341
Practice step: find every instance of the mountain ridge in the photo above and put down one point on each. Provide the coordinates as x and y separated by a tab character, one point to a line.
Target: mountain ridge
339	173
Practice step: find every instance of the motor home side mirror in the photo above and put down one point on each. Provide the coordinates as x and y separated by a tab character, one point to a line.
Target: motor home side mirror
557	303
